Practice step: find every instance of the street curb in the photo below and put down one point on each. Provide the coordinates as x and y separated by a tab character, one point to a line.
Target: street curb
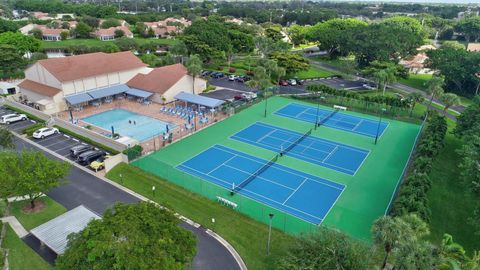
222	241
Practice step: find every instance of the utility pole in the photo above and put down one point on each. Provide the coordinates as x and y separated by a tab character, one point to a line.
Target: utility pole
269	233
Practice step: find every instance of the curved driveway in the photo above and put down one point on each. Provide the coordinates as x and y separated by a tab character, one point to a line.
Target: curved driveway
96	194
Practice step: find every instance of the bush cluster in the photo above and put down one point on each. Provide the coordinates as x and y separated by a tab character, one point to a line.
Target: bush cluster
29	130
412	197
133	152
390	101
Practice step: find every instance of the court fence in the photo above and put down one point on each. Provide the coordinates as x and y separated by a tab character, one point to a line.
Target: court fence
238	202
366	107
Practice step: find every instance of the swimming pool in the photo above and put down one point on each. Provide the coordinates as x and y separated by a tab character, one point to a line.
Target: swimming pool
129	124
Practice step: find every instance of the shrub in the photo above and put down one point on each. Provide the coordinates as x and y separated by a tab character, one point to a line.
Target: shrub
87	140
133	152
232	70
30	116
29	130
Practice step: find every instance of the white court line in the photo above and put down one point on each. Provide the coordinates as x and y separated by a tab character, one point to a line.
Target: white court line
258	176
221	165
357	125
281	169
295	191
300	113
331	153
256	194
266	135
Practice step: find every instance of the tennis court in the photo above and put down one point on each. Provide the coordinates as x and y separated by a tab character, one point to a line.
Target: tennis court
303	195
328	118
340	157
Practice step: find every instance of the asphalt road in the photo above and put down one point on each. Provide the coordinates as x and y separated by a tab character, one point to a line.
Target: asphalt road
85	188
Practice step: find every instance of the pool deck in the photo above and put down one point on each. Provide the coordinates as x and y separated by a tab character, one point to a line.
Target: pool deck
151	110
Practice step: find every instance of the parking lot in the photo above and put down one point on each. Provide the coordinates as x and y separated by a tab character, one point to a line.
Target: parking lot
339	83
59	143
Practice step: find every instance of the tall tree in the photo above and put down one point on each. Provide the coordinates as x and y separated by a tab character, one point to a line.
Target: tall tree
12	62
34	173
449	100
414	98
179	49
336	35
22	43
130	236
6	139
470	27
387	233
469	119
296	34
194	67
82	30
434	88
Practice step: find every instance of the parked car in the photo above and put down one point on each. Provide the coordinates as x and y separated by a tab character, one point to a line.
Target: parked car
79	149
206	73
217	75
99	164
238	97
283	83
44	132
299	82
368	86
242	79
251	95
292	82
232	77
12	118
87	157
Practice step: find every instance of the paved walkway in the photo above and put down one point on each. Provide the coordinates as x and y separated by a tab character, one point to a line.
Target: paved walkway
16	226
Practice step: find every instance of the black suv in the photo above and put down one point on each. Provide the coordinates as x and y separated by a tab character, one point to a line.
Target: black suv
87	157
77	150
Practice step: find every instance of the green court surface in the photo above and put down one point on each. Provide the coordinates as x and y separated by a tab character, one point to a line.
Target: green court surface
366	196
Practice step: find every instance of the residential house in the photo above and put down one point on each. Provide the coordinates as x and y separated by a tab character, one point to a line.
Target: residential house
473	47
49	34
41	15
416	64
165	28
109	33
166	82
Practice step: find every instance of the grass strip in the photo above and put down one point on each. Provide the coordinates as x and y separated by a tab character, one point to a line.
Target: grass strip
249	237
29	221
21	256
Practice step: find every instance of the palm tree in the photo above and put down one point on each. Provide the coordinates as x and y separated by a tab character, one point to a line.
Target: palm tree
434	88
194	67
391	77
414	98
6	138
386	234
449	100
260	81
452	254
379	76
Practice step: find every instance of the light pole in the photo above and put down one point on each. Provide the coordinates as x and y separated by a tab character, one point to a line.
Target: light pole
379	123
269	233
266	102
153	191
121	178
318	110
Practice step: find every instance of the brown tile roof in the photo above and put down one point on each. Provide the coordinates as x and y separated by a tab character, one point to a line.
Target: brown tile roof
92	64
52	32
111	31
39	88
473	47
159	80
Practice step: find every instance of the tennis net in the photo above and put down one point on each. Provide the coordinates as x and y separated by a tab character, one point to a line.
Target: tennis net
237	188
325	119
296	142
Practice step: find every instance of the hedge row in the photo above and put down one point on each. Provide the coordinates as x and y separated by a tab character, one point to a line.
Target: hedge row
29	130
412	197
390	101
87	140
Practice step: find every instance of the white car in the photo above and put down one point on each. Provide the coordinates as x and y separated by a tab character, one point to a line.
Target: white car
12	118
292	82
44	132
232	77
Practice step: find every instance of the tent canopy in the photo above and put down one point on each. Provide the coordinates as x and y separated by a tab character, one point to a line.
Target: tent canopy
54	233
138	93
78	98
200	100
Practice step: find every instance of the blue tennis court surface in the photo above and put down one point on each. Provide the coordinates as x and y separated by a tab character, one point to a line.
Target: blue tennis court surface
302	195
336	156
342	121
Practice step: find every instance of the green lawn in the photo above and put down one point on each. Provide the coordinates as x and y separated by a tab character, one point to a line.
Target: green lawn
449	199
29	221
21	256
418	81
313	72
249	237
96	42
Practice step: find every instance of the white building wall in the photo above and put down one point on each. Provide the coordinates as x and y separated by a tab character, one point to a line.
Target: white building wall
184	84
39	74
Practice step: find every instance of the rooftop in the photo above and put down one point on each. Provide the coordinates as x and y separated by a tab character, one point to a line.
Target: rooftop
159	80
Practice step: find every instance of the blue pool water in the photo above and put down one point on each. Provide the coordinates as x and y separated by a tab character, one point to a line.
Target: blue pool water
144	128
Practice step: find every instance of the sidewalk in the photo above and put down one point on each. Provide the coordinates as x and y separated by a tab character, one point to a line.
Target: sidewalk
16	226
